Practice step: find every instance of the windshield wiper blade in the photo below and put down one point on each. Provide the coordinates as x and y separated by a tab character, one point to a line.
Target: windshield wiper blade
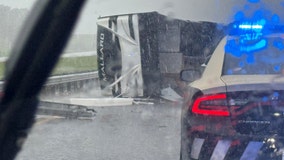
36	51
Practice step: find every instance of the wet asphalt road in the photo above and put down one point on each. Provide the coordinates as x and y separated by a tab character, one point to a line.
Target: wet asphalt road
138	132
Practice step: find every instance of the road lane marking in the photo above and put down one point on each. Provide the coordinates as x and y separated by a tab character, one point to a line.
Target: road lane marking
46	119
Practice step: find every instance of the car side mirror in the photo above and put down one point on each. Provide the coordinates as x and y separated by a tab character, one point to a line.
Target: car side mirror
189	75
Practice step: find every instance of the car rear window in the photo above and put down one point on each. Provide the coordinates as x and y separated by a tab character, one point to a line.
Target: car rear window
254	57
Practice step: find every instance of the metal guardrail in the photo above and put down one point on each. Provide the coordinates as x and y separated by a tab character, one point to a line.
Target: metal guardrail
61	109
60	79
54	80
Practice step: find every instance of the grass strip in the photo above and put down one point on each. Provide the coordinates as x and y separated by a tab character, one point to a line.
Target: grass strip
67	65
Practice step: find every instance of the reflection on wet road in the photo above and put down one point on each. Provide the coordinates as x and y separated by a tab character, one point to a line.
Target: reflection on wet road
150	132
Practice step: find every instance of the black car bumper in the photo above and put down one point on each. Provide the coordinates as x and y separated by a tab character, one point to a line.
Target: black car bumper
243	147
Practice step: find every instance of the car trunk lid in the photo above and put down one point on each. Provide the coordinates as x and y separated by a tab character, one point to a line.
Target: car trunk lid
256	104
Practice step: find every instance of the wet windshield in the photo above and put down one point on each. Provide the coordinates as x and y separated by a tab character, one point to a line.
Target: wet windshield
161	80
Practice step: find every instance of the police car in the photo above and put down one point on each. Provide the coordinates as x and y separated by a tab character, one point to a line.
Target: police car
235	110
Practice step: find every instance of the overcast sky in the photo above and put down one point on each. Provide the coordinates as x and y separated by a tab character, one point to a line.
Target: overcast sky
196	10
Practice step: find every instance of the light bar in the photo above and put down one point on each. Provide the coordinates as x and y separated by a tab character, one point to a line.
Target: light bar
251	25
247	26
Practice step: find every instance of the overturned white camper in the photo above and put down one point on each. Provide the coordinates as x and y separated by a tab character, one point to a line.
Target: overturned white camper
142	53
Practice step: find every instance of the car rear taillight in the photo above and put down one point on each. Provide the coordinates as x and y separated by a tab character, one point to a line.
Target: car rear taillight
211	105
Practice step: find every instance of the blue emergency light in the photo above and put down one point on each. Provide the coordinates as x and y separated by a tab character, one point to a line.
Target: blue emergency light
252	27
259	27
251	37
247	26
